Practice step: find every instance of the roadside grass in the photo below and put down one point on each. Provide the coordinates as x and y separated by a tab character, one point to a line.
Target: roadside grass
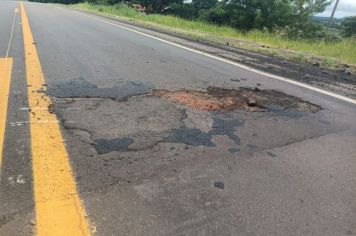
343	51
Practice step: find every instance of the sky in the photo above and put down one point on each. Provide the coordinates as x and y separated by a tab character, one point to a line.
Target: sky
345	8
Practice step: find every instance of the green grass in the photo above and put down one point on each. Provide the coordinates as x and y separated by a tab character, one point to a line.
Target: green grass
344	51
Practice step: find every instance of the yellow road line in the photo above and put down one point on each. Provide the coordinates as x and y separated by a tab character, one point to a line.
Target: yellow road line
5	81
58	208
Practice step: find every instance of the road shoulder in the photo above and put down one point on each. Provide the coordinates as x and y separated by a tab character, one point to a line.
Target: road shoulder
341	81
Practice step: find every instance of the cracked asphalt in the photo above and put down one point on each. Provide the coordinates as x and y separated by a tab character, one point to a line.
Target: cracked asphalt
165	141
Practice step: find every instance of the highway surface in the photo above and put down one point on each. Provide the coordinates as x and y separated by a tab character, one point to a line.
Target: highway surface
108	130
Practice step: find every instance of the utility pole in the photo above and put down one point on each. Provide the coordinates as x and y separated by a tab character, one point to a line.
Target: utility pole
333	12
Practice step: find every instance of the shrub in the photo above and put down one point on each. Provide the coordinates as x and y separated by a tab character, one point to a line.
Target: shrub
349	26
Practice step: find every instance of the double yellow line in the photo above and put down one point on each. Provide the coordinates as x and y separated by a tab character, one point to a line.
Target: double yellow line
59	210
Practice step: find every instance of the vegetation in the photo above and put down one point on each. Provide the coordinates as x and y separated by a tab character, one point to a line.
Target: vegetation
283	24
293	15
343	50
349	26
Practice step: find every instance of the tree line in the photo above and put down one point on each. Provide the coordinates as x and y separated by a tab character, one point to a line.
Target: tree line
286	17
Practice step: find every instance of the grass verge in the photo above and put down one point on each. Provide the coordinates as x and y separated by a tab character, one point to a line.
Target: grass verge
327	53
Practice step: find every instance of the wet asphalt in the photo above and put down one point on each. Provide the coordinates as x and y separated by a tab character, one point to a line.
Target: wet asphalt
145	165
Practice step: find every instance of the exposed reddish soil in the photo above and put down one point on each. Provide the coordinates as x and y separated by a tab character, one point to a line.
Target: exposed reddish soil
219	99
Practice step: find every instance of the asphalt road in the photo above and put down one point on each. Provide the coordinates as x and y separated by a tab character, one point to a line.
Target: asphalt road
150	151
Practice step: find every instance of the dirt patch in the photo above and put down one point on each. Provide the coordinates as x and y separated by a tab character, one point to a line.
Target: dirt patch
251	99
200	100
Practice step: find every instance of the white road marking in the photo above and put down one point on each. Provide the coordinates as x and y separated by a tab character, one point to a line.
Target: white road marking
20	123
303	85
11	180
12	32
19	180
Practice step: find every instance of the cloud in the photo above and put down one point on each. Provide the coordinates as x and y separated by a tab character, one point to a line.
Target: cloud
345	8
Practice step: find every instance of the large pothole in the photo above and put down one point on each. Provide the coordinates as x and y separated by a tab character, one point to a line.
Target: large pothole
220	99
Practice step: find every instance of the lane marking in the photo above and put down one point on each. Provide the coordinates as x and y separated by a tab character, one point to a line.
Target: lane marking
5	82
33	108
12	32
59	210
20	123
281	78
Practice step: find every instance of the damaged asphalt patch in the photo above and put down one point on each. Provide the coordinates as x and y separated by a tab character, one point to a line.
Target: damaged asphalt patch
103	146
220	99
79	88
145	136
143	120
192	137
223	124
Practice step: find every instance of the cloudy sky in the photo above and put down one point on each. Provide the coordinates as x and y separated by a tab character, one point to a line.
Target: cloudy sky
345	8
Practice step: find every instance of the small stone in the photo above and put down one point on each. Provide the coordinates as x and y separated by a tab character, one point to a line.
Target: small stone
219	184
251	102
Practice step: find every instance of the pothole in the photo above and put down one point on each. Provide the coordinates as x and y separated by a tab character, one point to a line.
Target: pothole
220	99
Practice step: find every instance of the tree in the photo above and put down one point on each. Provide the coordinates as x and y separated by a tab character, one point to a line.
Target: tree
349	26
186	11
157	5
217	15
204	4
248	14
